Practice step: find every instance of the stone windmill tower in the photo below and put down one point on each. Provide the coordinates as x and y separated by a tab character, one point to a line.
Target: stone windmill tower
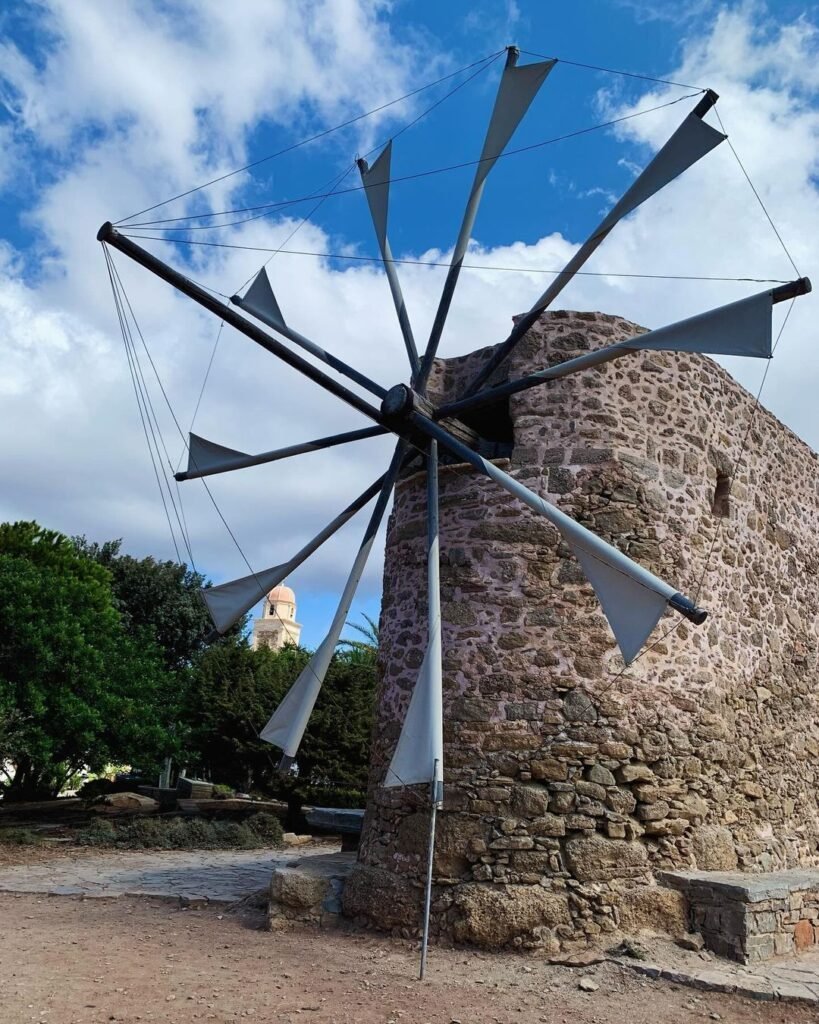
577	467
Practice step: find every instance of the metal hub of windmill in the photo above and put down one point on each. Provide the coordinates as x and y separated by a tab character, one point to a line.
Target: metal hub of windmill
632	598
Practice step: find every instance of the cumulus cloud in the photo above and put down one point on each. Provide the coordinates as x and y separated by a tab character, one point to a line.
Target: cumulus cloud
179	101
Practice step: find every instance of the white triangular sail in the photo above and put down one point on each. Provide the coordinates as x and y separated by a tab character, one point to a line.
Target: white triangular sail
690	142
207	455
288	722
631	608
419	755
518	87
228	602
643	594
260	301
742	328
376	181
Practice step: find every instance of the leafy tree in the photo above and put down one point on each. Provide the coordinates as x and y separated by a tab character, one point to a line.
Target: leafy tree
161	597
85	690
235	690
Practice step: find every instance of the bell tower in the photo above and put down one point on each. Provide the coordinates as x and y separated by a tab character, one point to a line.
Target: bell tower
277	625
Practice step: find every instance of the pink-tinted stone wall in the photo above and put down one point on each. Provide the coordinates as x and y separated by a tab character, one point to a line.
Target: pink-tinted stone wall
568	784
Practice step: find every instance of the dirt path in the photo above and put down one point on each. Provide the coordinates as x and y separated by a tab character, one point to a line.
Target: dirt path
72	961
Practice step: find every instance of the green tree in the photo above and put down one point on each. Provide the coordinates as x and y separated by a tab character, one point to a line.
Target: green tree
85	691
161	597
235	690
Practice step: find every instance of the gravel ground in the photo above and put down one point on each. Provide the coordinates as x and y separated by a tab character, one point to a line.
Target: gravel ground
68	960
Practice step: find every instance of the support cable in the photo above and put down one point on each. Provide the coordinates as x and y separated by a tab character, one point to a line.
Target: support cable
613	71
758	196
464	266
324	196
313	138
139	403
153	420
405	177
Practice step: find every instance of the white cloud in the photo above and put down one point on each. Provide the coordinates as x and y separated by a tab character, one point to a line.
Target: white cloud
166	103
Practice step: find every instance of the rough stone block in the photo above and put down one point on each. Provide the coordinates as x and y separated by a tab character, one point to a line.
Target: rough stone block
595	858
492	917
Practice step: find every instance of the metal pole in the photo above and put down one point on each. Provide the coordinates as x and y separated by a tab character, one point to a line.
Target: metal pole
310	346
435	669
108	233
428	888
242	461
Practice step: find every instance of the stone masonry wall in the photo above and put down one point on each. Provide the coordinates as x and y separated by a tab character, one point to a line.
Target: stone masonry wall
569	784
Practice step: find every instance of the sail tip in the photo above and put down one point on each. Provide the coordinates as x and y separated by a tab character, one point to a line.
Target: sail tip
686	607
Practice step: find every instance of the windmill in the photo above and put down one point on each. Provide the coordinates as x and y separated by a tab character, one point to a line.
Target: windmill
632	598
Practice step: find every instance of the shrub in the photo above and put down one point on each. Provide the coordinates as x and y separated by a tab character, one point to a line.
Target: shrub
99	833
20	837
222	792
231	834
266	826
183	833
334	796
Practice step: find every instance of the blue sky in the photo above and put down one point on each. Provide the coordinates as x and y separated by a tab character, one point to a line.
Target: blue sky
106	110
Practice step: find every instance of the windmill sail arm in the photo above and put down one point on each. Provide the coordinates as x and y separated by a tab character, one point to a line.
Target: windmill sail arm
261	302
228	602
289	721
633	598
518	87
206	458
376	181
741	328
693	140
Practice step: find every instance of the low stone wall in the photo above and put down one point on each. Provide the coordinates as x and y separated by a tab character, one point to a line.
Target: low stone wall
752	918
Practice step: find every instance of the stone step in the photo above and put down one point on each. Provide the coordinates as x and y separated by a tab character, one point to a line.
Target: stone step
751	917
309	889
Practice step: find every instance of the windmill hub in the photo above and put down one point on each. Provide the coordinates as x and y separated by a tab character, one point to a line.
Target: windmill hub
399	402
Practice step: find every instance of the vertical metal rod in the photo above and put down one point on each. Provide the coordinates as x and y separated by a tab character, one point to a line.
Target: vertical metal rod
435	669
428	887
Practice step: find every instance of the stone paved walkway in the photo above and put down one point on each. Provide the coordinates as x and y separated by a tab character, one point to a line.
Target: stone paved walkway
215	875
789	978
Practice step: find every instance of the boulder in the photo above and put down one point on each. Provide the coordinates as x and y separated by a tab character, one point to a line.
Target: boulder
126	803
492	916
310	889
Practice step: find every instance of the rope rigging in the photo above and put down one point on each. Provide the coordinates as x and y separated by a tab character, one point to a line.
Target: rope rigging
464	266
270	207
313	138
318	197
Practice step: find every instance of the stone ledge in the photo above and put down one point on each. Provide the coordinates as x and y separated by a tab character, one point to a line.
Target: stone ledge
751	918
745	888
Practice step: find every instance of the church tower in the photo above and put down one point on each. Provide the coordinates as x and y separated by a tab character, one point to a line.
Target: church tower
277	625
